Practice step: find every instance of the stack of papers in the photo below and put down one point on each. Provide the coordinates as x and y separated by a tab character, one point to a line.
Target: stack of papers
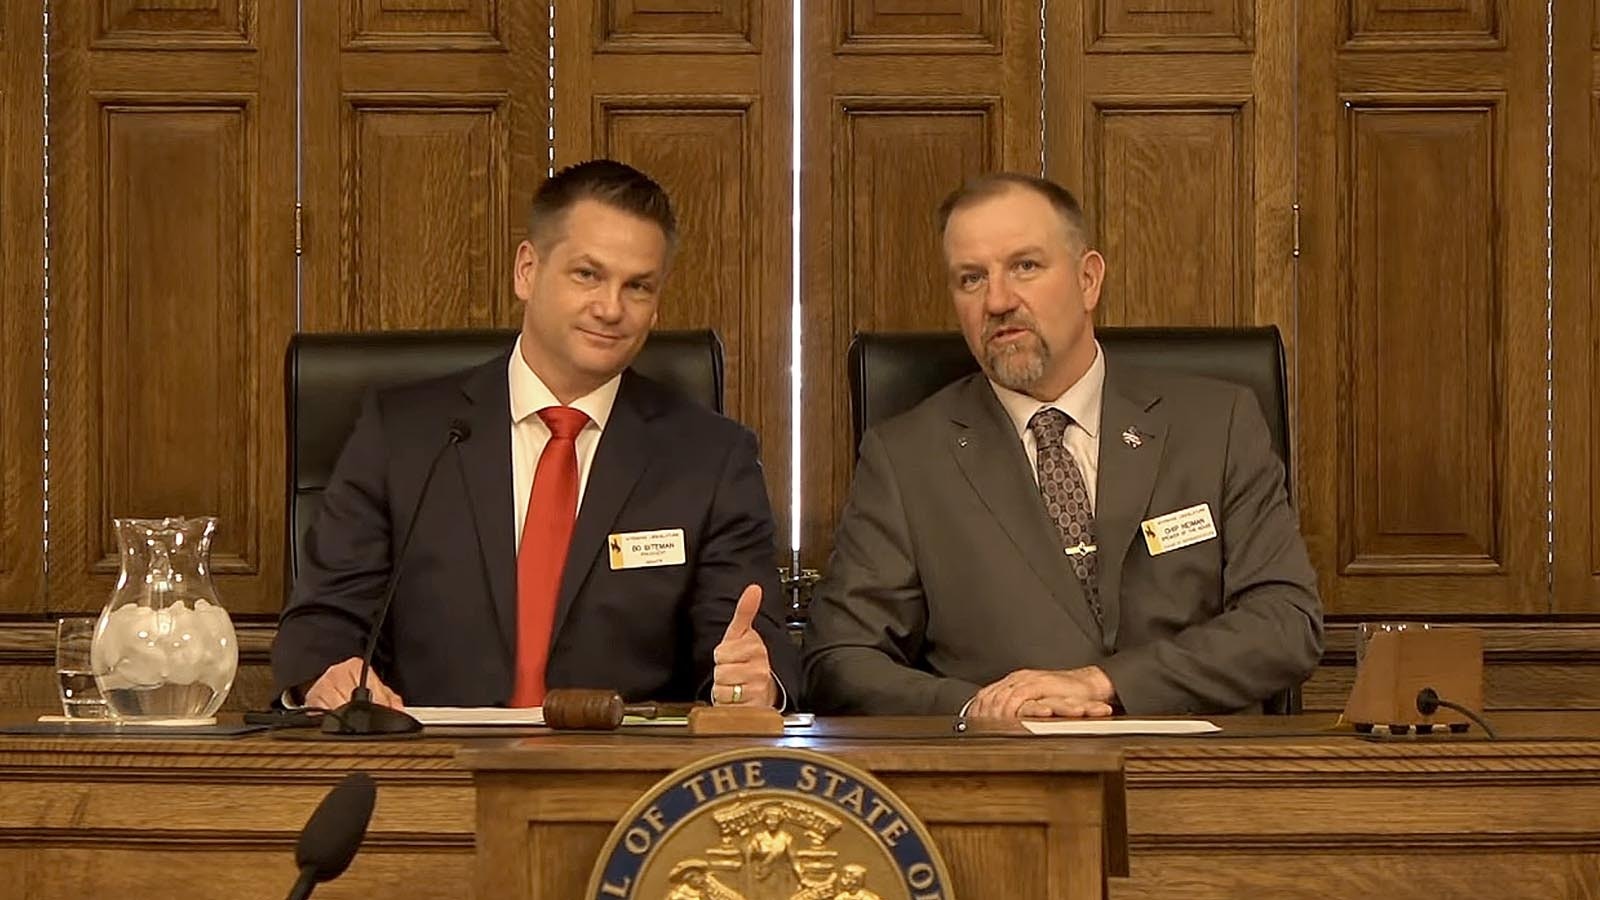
477	715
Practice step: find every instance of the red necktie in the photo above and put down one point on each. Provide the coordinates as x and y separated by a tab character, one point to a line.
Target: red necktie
546	534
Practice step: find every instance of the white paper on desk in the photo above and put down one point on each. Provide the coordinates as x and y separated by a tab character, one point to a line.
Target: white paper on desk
477	715
1094	727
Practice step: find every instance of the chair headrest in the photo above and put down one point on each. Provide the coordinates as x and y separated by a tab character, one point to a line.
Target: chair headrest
890	372
327	375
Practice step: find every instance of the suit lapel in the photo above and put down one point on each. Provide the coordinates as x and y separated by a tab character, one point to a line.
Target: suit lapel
991	457
486	457
1126	478
619	461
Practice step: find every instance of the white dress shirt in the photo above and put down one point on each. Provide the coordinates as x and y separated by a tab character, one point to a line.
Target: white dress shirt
529	434
1081	403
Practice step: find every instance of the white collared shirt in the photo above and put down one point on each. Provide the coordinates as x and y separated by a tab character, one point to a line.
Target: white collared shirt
1081	403
529	434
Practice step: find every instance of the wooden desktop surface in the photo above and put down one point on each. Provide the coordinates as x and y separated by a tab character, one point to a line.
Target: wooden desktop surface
1285	807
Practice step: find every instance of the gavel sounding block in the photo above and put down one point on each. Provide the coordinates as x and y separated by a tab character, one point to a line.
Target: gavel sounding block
753	721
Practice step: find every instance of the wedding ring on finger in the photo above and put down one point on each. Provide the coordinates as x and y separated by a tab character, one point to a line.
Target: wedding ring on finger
738	693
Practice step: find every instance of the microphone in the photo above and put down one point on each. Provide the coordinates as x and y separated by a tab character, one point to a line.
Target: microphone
589	709
362	719
332	835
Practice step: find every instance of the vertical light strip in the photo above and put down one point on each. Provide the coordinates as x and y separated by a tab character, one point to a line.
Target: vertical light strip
45	195
795	363
1295	451
299	157
1042	90
550	95
1549	306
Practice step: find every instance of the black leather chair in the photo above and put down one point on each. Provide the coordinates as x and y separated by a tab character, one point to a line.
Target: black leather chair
325	376
892	372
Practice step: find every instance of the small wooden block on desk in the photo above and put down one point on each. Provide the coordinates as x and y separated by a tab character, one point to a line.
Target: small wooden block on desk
752	721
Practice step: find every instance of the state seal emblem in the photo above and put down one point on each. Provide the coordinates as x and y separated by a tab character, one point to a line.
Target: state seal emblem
769	823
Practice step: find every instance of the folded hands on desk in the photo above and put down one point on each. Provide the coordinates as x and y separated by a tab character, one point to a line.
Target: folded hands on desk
1041	693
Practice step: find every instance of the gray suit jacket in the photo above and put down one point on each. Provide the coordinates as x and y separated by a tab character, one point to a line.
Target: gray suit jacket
947	573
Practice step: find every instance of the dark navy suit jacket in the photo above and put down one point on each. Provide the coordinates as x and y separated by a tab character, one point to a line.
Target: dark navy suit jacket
663	462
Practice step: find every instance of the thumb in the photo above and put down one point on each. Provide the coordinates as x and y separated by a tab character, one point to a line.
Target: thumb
744	615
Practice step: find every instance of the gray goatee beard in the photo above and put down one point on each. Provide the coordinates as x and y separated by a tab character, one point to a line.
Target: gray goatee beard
1017	366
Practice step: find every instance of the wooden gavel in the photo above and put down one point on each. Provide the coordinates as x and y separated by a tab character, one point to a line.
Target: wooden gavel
591	709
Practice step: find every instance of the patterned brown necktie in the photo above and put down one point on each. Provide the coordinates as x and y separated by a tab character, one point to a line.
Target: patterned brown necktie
1066	499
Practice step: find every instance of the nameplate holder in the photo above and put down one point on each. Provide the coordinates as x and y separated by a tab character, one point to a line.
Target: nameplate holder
1398	664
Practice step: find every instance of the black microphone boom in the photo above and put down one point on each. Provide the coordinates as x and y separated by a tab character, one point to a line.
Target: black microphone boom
362	719
333	833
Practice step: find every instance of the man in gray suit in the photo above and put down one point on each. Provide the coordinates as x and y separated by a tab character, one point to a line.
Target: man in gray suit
1059	535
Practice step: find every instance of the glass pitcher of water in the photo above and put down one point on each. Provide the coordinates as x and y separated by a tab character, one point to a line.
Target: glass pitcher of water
164	649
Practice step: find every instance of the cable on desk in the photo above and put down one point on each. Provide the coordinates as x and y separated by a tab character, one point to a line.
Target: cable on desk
1429	701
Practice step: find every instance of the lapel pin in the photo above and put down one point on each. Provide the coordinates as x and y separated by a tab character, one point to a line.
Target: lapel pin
961	442
1132	437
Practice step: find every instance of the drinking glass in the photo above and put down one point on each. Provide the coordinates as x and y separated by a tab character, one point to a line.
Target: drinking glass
80	694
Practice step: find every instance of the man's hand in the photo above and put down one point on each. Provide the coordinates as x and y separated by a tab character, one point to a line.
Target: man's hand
1037	694
741	659
333	689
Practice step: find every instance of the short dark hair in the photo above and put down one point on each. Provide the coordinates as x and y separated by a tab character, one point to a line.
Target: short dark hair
607	181
985	187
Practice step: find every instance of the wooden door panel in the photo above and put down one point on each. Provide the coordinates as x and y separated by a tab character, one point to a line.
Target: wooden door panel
917	96
1422	307
22	582
698	97
172	285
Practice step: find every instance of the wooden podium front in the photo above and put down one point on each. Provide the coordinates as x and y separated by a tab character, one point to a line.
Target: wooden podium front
1011	818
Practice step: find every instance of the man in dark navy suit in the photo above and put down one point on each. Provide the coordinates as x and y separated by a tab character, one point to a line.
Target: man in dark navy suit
594	529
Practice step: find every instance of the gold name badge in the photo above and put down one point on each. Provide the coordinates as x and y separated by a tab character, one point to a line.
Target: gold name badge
1180	529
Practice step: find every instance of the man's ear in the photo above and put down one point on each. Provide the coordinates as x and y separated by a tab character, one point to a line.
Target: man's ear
1091	276
525	270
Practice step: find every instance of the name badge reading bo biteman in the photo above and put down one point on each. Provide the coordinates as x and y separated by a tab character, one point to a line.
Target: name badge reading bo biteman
646	549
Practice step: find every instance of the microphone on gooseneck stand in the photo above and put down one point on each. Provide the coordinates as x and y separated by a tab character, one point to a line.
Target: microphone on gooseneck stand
332	835
360	718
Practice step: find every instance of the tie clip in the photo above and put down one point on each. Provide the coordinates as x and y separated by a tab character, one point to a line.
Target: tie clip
1081	550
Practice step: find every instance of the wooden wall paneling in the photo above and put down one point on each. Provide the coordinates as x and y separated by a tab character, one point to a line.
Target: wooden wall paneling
1417	166
1530	664
1422	24
172	186
22	588
903	102
1576	233
27	666
1176	128
1142	26
697	96
460	25
1422	319
424	137
425	210
1168	187
141	25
